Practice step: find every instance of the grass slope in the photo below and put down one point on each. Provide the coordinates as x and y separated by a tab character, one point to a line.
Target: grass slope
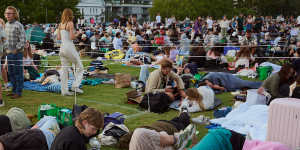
103	97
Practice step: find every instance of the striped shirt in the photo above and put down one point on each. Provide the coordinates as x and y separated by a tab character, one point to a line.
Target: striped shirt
15	36
2	36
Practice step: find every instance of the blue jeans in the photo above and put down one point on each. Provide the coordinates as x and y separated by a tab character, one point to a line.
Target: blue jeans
129	54
15	71
50	128
144	73
230	82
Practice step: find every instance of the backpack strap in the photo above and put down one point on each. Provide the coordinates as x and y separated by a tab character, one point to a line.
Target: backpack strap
148	103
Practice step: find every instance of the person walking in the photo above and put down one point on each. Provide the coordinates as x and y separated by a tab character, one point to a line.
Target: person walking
68	53
15	37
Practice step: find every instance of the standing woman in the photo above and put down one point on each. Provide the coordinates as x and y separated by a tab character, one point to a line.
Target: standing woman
68	53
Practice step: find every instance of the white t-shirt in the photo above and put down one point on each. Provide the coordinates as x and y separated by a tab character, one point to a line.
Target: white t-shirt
294	31
158	19
224	23
117	43
209	23
27	61
208	100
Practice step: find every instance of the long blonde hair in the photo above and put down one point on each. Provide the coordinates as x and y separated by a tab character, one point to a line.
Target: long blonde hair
16	13
67	15
194	95
2	22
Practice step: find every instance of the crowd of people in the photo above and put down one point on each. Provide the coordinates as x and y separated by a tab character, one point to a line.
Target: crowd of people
178	47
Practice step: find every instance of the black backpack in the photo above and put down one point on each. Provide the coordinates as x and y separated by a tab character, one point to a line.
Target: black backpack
159	102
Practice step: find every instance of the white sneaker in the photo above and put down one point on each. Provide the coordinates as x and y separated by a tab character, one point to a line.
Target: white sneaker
77	90
67	94
235	93
202	120
184	136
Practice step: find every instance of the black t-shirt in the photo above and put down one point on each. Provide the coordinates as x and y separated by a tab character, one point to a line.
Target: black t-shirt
123	22
69	139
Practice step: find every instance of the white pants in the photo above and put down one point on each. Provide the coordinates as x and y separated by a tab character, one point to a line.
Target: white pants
70	55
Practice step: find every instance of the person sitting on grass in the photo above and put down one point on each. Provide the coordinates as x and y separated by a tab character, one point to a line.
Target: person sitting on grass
295	88
278	83
159	79
29	66
87	125
243	58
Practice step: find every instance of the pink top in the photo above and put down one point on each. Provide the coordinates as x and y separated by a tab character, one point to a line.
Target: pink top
259	145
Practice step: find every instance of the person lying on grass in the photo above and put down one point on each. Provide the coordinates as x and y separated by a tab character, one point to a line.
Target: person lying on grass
160	134
87	125
39	137
226	82
199	99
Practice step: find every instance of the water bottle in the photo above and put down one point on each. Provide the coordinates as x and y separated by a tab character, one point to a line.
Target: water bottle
95	144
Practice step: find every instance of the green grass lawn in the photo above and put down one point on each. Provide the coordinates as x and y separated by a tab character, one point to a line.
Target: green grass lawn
105	98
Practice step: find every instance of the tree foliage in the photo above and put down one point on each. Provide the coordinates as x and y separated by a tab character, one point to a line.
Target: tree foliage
218	8
40	11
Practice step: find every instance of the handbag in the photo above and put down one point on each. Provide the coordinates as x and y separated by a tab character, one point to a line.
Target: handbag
122	80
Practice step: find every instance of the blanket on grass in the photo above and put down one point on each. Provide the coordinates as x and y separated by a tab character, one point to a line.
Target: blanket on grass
247	120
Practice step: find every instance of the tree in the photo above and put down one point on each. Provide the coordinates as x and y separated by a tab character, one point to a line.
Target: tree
218	8
191	8
40	11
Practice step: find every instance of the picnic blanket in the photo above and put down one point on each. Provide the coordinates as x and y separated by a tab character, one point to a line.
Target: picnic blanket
102	76
54	87
247	120
93	82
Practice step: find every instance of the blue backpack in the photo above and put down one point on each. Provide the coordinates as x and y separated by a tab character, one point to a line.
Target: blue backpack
116	118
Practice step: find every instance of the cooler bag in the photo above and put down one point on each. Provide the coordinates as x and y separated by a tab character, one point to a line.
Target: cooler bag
115	54
64	117
264	72
253	98
284	122
47	110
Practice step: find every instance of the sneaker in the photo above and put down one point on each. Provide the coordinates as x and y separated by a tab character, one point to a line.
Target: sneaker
67	94
202	120
236	93
78	90
184	109
15	96
7	89
184	136
2	103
